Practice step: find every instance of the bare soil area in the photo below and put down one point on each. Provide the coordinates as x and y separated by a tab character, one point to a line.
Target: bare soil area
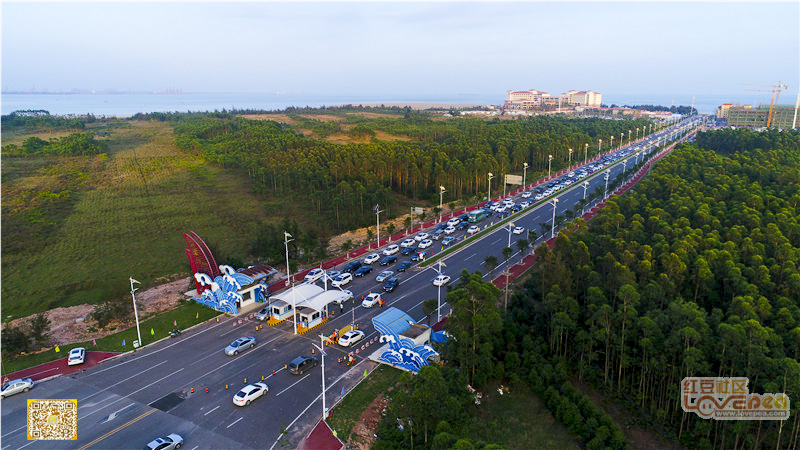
363	434
282	118
73	323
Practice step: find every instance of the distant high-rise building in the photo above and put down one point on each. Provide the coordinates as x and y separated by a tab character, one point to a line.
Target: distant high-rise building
782	116
722	110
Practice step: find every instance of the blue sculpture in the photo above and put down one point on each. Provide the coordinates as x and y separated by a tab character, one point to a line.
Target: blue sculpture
223	294
402	351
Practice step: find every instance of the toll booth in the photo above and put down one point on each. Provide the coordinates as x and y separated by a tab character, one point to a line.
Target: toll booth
281	304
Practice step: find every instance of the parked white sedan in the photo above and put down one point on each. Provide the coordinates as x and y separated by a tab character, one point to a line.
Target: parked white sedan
408	243
526	194
441	280
421	237
350	338
250	393
391	250
449	230
425	244
473	229
76	356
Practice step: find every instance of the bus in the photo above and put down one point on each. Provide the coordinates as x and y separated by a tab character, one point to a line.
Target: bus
477	215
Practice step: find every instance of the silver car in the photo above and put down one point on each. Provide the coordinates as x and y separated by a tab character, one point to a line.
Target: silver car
16	386
167	443
263	314
240	345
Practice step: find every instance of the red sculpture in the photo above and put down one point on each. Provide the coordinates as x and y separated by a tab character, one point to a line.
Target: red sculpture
200	259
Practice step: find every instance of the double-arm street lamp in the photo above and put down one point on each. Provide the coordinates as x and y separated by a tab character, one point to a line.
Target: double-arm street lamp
524	169
491	175
549	161
585	152
441	193
569	164
553	202
608	174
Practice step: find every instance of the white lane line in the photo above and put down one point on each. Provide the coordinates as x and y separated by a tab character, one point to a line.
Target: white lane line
470	256
156	351
234	422
291	385
195	447
134	392
44	371
215	408
233	360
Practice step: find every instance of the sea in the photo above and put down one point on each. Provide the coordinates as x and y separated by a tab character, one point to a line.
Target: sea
128	104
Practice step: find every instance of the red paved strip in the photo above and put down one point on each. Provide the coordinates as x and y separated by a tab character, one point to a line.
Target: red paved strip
59	366
321	438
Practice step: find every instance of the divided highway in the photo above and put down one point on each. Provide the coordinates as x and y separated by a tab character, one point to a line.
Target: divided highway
128	401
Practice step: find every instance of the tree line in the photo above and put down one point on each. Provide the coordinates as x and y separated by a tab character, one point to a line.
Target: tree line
73	144
692	274
31	120
344	182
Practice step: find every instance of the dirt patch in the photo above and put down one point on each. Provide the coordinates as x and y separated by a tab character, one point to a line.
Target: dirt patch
363	435
384	136
72	324
324	117
282	118
374	115
639	436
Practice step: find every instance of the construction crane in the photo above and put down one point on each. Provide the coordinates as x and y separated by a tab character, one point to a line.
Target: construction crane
776	94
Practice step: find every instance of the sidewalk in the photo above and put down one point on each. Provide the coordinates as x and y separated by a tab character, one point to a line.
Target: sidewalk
59	367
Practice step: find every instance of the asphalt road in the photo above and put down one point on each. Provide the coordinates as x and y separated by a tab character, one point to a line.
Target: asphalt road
130	400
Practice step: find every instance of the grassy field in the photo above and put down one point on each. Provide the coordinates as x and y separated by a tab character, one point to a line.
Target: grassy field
75	228
186	315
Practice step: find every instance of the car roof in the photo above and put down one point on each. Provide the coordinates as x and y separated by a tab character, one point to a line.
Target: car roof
299	359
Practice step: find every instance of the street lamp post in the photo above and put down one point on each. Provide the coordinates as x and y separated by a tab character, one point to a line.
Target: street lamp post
441	193
135	313
608	174
549	161
585	186
637	133
505	301
524	169
585	152
553	229
569	164
612	143
322	355
286	241
621	138
439	294
491	175
378	212
599	146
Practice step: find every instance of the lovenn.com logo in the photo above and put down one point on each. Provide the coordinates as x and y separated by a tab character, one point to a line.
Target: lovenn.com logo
729	398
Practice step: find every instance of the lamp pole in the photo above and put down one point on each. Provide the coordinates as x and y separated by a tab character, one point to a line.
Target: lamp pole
491	175
135	313
585	152
637	133
286	241
439	294
553	229
570	158
441	193
629	137
612	143
608	174
505	301
585	186
378	212
524	169
322	355
549	161
599	146
621	138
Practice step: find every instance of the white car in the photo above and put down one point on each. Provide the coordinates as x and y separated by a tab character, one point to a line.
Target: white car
500	209
441	280
425	244
314	275
383	276
539	196
250	393
342	279
473	229
421	237
518	230
548	191
348	295
508	203
391	250
453	222
371	300
525	204
571	174
372	258
170	442
408	243
526	194
76	356
449	230
350	338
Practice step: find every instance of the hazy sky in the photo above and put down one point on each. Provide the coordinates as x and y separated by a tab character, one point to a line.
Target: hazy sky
401	48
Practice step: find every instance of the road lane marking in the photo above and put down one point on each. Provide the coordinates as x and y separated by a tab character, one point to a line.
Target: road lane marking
113	415
234	422
119	428
215	408
44	371
134	392
290	386
195	447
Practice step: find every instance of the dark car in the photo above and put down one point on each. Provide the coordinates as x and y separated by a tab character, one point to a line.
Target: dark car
462	226
352	266
419	256
447	241
463	217
440	227
363	270
408	250
516	208
390	284
386	260
302	364
437	235
403	266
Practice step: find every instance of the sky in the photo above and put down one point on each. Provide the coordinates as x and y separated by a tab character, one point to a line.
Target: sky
401	48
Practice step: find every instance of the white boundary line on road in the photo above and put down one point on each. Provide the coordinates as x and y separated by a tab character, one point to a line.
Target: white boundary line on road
292	385
209	412
234	422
